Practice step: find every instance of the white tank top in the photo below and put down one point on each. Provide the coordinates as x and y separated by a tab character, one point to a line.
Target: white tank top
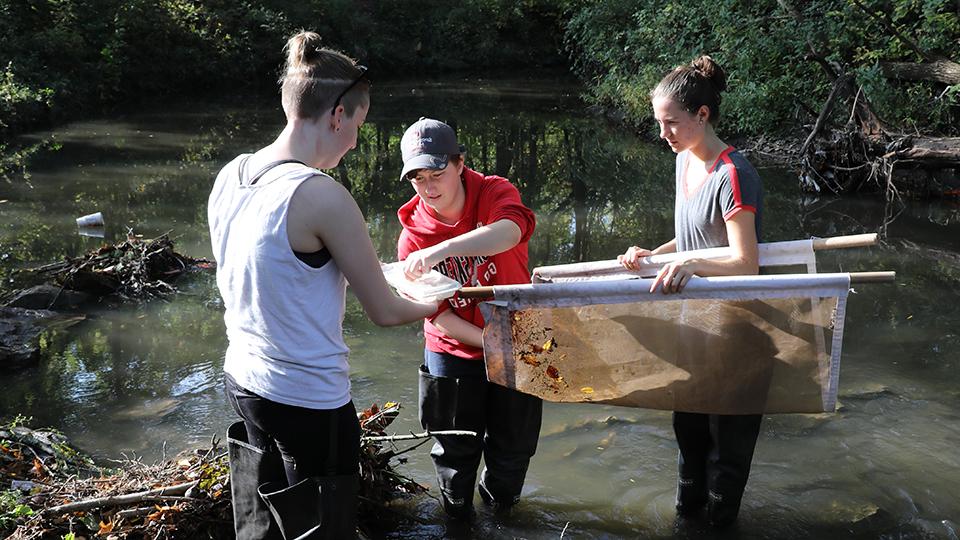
284	318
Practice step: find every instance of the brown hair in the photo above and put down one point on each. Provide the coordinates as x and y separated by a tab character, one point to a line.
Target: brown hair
314	76
694	85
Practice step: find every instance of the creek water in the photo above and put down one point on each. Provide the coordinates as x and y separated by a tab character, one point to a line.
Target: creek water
146	380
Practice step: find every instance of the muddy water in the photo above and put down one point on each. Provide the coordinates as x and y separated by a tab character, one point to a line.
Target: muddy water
146	380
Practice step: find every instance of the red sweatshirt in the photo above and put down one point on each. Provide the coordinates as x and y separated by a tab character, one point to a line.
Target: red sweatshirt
488	199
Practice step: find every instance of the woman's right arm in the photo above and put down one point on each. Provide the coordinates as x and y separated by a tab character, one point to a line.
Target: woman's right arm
631	259
337	221
459	329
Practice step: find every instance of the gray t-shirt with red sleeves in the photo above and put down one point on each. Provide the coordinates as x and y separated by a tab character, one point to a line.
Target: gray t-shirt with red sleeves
732	186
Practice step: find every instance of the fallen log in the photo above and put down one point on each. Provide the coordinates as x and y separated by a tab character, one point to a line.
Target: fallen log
926	150
941	71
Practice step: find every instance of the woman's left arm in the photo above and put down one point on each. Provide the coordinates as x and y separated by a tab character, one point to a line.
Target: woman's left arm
744	259
491	239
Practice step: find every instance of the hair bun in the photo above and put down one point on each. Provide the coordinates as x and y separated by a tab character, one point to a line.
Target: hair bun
303	48
708	68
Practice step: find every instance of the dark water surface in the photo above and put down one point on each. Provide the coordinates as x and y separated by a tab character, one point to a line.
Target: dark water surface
146	379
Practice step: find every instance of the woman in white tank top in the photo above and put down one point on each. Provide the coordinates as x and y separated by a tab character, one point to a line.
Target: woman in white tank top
287	239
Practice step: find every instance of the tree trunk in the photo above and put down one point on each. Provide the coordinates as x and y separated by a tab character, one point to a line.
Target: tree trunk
942	71
929	150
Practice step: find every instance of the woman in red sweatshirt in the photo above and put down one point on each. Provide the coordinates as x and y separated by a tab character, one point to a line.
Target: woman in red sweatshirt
472	228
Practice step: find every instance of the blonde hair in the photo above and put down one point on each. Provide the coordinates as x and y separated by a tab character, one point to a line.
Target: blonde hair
694	85
314	76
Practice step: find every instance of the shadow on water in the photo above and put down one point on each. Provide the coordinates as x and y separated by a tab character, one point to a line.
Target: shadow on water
137	378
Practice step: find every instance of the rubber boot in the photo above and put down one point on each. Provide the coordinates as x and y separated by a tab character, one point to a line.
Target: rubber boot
722	509
339	495
322	507
249	468
691	497
297	509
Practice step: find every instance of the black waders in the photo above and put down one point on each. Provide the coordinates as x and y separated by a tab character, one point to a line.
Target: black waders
320	507
714	463
507	424
250	467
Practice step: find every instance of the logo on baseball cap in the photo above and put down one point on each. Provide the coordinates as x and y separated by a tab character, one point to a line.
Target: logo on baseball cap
427	144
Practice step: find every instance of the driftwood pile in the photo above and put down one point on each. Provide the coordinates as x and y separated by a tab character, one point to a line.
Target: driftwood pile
134	269
184	497
51	491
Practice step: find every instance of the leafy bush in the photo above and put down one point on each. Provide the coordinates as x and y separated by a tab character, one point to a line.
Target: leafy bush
71	56
18	100
768	51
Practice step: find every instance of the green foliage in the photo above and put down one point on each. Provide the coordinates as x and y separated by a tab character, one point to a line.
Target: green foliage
71	56
17	99
767	50
75	55
11	509
13	163
18	421
423	36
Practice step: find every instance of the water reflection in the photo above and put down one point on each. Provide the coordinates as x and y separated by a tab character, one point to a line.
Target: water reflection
129	380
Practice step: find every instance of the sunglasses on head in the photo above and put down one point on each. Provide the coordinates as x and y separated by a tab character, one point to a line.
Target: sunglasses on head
363	76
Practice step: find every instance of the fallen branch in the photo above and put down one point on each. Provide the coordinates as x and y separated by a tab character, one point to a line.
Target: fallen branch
120	500
134	269
415	436
825	111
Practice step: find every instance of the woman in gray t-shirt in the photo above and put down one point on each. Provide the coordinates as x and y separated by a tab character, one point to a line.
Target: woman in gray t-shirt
719	203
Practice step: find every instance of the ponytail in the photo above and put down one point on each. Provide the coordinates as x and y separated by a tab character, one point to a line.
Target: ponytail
314	76
695	85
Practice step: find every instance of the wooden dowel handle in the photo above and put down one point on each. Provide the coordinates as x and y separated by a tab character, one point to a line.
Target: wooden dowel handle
872	277
476	292
837	242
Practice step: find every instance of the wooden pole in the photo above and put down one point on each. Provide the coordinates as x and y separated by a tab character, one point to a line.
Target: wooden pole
872	277
850	241
476	292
